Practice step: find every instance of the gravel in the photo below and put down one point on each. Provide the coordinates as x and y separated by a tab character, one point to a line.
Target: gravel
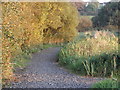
44	72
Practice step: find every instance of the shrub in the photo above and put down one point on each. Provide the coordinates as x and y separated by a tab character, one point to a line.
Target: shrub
93	54
109	83
84	24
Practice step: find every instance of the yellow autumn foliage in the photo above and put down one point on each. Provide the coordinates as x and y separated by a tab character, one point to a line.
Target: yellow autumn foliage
29	24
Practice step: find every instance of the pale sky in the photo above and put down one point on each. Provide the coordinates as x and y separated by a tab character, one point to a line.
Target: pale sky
98	0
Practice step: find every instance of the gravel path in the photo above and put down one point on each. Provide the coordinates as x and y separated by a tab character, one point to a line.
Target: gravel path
44	72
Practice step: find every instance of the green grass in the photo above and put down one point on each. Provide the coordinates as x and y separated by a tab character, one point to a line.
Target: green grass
109	83
21	60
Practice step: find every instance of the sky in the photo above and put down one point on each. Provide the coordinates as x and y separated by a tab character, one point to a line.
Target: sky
98	0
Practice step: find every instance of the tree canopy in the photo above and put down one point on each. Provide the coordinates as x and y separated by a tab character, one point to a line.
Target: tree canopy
30	24
108	15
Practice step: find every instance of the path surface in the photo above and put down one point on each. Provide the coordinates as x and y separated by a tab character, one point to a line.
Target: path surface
44	72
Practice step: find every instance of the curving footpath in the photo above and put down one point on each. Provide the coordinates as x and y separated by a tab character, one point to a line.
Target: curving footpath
44	72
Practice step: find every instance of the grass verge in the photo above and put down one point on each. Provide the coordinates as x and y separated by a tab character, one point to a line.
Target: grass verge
108	83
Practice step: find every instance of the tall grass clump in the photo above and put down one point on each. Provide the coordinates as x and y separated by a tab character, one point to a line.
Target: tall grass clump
108	83
92	54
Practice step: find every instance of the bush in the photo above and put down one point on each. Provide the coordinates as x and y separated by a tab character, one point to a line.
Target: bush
109	83
93	54
84	24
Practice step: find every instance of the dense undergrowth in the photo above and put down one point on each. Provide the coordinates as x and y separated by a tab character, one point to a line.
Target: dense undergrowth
93	54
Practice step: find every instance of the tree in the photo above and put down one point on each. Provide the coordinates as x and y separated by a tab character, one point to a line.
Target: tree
80	5
30	24
61	22
108	15
90	8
